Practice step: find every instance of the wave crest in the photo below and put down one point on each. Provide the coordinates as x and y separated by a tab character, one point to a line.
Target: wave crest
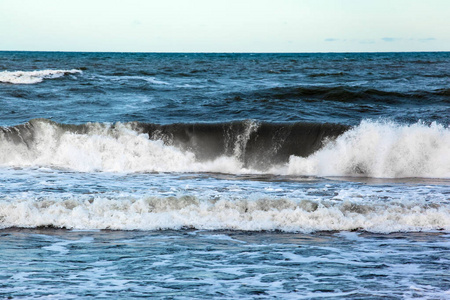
371	149
234	147
342	93
381	149
32	77
156	213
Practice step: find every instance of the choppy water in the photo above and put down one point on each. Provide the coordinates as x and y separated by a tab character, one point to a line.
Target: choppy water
224	175
224	264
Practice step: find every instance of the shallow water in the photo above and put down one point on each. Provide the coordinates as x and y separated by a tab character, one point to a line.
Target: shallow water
223	264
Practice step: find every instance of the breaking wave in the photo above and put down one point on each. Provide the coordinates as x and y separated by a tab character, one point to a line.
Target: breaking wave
381	149
235	147
371	149
32	77
156	213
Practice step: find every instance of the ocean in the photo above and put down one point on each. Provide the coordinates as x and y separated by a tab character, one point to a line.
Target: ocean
224	176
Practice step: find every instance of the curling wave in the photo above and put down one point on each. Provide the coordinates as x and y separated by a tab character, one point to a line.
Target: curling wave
32	77
141	147
371	149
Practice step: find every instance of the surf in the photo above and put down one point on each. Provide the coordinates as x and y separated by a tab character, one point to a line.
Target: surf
188	212
371	149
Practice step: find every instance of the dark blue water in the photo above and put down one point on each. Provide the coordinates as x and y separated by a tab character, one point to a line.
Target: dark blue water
185	176
171	88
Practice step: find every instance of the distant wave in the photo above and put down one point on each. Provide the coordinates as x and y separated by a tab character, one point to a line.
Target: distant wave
371	149
32	77
156	213
326	74
344	94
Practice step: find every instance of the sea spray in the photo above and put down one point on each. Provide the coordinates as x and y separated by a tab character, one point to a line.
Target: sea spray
381	149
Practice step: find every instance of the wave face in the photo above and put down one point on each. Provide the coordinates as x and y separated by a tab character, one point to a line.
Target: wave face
372	149
32	77
256	145
156	213
141	147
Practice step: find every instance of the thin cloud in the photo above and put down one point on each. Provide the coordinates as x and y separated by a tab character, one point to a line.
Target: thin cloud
391	39
423	40
359	41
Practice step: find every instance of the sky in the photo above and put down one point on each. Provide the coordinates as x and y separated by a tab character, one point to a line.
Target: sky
225	25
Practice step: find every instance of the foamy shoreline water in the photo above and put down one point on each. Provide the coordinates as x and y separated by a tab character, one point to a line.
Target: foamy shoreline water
152	213
222	264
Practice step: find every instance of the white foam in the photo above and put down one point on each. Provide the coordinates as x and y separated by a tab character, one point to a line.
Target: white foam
61	247
31	77
372	149
154	213
104	148
148	79
381	149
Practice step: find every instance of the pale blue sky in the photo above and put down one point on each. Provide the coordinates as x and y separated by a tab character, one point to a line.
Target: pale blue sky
225	26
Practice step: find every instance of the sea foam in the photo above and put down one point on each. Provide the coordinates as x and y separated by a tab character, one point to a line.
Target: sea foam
381	149
31	77
159	213
105	147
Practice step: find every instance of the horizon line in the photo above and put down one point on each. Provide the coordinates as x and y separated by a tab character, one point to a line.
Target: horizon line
228	52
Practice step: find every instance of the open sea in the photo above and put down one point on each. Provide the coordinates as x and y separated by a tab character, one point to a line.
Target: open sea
224	176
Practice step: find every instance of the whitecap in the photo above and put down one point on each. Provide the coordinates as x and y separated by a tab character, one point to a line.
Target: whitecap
32	77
